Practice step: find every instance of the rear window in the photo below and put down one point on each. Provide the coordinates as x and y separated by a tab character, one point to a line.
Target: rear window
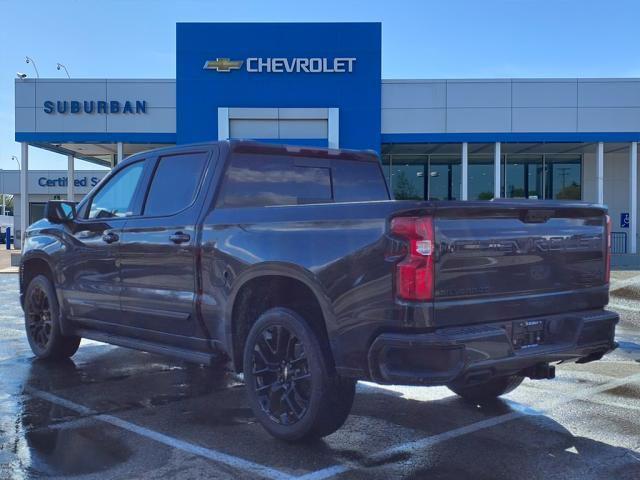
358	181
175	183
261	180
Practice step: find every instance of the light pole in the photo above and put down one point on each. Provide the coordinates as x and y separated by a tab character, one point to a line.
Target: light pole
17	161
3	204
30	60
62	66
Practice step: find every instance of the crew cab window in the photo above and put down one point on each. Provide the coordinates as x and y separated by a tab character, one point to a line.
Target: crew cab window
358	181
175	183
261	180
115	198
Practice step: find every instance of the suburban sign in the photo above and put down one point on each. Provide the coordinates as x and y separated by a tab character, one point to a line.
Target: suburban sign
284	65
97	106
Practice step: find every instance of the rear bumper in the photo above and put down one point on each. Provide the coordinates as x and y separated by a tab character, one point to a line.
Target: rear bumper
452	355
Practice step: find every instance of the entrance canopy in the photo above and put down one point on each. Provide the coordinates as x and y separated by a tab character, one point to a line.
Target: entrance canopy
104	154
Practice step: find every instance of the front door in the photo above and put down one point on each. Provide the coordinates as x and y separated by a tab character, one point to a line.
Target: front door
91	285
158	248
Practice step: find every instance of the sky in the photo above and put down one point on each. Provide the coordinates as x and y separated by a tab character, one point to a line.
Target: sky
420	39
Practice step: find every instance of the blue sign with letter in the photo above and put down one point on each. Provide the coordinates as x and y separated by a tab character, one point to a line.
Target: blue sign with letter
624	220
279	65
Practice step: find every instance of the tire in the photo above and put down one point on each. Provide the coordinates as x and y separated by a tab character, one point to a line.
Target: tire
42	322
488	390
292	389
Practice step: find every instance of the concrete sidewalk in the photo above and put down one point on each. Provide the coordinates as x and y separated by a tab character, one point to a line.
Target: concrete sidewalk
6	263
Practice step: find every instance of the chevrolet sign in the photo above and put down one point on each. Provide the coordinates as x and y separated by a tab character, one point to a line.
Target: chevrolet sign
284	65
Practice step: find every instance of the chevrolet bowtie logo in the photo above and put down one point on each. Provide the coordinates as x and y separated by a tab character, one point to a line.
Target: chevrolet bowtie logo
223	64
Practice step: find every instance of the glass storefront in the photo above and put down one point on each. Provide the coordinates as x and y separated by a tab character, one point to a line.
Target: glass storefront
413	175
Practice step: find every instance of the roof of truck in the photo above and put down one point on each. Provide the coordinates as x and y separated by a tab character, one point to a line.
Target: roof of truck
254	147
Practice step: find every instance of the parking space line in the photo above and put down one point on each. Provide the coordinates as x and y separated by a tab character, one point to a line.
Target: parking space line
619	306
322	474
467	429
214	455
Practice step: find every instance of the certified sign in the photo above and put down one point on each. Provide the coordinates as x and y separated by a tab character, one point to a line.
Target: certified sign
284	65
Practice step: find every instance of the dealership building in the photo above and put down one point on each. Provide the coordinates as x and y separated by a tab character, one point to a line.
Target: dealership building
320	84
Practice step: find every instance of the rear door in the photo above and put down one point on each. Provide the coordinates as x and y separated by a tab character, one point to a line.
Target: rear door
513	259
158	248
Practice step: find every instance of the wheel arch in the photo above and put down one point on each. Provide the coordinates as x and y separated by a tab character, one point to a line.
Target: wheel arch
264	284
32	264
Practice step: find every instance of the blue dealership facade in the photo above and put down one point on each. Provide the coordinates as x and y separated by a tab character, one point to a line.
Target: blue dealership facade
320	84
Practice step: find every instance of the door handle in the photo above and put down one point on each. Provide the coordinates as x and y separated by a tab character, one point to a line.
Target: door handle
180	237
110	237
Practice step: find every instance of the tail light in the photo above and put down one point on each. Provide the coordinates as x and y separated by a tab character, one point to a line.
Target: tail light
607	260
415	273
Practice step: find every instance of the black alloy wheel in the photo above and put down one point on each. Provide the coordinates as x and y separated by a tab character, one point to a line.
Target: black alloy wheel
39	320
281	375
42	319
293	388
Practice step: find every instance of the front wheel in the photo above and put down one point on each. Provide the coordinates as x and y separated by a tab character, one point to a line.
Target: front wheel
292	390
42	322
488	390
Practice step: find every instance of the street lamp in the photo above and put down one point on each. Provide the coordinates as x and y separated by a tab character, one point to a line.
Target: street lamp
61	65
17	161
30	60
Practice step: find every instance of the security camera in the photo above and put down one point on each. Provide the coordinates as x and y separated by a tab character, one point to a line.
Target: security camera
21	75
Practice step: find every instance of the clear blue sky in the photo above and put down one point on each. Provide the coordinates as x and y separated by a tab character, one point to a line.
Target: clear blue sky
421	39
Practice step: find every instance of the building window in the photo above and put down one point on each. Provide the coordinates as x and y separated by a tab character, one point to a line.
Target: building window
433	171
36	211
548	176
563	178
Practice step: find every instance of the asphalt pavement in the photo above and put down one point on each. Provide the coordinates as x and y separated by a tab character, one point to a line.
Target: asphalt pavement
113	413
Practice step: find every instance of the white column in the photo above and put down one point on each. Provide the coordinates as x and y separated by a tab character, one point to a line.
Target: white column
333	127
70	178
464	177
600	173
3	199
633	197
223	123
496	171
24	191
120	152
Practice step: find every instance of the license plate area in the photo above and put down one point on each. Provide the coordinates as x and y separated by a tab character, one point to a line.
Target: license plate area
527	333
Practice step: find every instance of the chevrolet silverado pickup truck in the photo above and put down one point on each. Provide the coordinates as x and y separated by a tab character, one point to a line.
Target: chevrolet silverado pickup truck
296	266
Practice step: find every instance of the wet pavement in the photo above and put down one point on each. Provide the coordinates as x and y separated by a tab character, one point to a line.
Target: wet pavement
113	413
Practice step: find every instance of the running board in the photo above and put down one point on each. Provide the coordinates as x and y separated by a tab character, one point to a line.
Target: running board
151	347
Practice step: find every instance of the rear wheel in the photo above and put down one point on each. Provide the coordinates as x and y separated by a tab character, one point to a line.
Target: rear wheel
292	389
42	322
488	390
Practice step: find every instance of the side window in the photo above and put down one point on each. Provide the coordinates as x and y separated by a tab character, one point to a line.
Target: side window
115	198
175	183
260	180
358	181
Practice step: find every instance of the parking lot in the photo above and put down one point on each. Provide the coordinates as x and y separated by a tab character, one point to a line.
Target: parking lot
118	413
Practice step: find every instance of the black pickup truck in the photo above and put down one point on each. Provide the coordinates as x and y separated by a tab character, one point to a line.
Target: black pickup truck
296	266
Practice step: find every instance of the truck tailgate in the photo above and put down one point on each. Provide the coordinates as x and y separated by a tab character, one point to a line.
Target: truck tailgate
513	259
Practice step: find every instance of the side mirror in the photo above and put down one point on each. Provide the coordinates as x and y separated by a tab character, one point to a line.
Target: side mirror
60	211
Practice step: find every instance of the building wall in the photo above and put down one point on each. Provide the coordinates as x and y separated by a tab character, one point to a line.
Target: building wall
510	106
616	184
31	117
10	184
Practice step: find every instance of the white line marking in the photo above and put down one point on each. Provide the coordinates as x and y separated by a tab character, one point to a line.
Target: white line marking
472	428
616	284
188	447
619	306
